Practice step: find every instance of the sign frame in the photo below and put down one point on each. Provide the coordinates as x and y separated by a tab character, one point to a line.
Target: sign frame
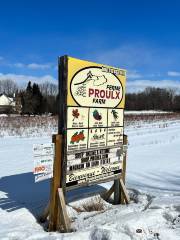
62	119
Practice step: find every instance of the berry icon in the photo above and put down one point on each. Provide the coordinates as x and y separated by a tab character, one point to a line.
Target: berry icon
96	115
77	137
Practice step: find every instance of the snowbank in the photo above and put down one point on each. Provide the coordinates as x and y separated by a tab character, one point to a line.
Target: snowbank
152	178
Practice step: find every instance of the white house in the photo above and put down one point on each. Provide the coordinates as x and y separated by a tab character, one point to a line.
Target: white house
7	104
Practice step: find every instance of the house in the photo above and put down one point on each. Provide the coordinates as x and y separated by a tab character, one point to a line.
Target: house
7	104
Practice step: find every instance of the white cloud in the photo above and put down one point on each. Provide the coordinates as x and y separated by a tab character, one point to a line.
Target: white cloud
133	74
22	80
140	55
35	66
140	85
18	65
128	56
174	74
32	66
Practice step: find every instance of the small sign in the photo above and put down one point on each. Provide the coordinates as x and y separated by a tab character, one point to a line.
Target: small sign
77	139
43	155
97	137
77	117
115	136
43	176
97	117
115	117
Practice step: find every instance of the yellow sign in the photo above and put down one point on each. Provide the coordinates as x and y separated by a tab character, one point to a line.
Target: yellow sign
95	85
94	110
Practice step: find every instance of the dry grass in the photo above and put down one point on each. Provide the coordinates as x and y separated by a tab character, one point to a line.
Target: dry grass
24	126
94	204
30	126
149	118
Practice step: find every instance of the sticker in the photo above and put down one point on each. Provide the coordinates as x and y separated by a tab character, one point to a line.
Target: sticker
115	117
92	174
43	176
44	149
97	117
43	169
77	139
115	136
77	117
97	137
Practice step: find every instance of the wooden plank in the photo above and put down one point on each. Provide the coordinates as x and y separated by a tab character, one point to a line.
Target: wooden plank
62	116
64	219
107	194
42	218
125	142
55	183
124	191
117	192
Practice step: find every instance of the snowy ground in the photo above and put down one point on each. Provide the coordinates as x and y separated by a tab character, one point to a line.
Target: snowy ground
153	180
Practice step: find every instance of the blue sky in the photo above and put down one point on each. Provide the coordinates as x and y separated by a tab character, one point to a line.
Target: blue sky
138	35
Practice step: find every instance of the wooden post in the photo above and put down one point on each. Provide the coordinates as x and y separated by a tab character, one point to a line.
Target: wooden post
107	194
118	193
55	183
125	142
124	191
43	217
64	219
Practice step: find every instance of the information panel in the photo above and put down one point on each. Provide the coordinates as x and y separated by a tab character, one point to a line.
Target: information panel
43	155
94	96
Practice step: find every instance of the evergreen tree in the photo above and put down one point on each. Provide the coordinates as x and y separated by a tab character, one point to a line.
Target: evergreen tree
27	102
37	100
32	100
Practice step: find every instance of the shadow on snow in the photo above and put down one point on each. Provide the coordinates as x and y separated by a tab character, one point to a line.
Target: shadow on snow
22	192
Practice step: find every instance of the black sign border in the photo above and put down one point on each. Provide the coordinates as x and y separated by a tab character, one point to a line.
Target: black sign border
95	106
62	122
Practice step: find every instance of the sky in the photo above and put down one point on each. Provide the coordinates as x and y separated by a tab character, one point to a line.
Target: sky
138	35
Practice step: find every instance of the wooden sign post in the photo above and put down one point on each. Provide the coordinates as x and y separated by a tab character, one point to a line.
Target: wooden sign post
58	218
118	187
89	146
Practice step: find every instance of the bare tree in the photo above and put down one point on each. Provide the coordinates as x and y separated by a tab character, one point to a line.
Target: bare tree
8	87
48	89
153	99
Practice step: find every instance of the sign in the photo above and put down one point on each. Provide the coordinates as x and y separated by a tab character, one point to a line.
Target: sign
92	86
43	155
93	97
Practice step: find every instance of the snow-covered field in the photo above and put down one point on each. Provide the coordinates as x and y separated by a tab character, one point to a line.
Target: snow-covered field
153	180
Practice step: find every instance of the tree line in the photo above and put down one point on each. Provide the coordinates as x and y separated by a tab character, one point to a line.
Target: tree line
8	86
43	98
39	99
153	99
34	98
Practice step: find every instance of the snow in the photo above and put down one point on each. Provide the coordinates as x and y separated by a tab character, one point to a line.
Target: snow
152	180
145	112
